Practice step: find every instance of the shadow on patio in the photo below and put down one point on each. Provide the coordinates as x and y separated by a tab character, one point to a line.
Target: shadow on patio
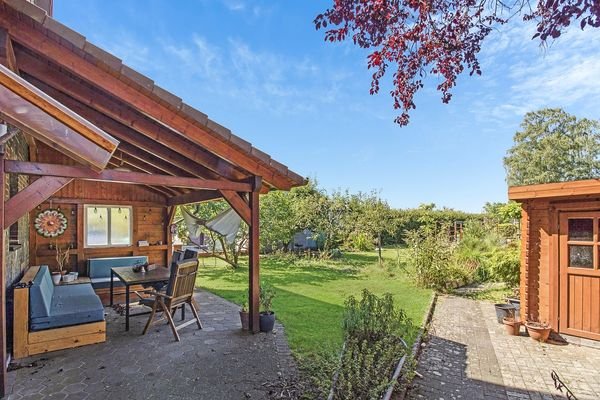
218	362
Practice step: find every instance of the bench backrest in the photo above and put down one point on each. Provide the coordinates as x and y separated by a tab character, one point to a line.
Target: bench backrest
40	293
100	267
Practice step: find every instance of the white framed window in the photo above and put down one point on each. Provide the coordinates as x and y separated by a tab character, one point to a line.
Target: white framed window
107	226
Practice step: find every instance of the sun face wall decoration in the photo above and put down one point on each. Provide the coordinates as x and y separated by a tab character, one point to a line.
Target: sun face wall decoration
50	223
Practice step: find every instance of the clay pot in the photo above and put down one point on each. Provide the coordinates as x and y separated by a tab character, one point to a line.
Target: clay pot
512	327
538	331
245	319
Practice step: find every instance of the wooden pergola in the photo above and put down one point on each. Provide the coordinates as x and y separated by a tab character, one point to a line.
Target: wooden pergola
115	125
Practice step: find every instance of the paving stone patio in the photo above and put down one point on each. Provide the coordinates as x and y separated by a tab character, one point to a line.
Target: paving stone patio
469	356
218	362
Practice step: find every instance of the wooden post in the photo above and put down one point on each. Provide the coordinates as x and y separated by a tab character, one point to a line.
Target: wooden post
3	382
254	256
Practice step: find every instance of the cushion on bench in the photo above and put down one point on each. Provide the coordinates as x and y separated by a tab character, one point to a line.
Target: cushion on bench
104	283
100	267
57	306
40	293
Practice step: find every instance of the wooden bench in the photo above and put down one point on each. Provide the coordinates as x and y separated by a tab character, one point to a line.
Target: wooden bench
27	342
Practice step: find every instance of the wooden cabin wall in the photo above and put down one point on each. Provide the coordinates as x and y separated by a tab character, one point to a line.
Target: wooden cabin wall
149	219
536	258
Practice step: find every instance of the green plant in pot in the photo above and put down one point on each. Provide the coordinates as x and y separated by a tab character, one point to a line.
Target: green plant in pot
245	314
267	316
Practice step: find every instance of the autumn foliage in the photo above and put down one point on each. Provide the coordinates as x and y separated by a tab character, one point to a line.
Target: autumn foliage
439	37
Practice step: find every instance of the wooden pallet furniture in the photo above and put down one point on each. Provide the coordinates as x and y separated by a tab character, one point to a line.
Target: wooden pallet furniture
27	342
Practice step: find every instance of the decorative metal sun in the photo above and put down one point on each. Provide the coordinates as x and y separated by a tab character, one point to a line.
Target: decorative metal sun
51	223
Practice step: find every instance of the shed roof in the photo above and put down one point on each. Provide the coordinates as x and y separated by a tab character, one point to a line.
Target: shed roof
156	130
583	188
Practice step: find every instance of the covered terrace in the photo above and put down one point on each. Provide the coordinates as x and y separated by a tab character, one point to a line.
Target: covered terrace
85	132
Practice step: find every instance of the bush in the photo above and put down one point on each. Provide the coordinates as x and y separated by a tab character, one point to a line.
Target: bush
433	259
373	346
360	242
505	264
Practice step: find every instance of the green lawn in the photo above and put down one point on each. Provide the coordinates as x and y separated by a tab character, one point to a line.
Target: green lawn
311	293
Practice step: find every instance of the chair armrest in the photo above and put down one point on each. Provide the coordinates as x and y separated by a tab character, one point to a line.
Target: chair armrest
166	296
148	291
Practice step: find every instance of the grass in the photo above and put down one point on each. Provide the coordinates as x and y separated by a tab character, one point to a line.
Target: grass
311	292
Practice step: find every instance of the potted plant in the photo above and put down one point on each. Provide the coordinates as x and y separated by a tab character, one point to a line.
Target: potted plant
512	326
267	316
244	314
62	257
538	330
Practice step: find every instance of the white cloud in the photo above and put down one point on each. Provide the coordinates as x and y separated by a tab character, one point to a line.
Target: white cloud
521	76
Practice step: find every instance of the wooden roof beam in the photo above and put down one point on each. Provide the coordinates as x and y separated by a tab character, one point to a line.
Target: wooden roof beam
122	113
163	190
42	169
197	196
7	54
215	138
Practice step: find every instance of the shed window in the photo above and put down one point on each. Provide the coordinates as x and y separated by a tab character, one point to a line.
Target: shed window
107	226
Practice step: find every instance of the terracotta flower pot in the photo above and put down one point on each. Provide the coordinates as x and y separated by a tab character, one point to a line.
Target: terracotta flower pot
245	319
538	331
512	327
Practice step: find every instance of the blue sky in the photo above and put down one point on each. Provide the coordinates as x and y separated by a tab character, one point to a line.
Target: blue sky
261	69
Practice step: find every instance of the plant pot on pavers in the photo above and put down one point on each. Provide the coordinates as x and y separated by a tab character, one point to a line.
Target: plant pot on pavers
504	310
245	320
538	331
512	326
267	321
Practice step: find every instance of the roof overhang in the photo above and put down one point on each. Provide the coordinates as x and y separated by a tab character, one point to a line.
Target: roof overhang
44	118
583	188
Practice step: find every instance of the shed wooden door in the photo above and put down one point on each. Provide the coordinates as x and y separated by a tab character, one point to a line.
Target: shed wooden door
580	274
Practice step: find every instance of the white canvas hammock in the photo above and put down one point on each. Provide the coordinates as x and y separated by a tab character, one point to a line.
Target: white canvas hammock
226	224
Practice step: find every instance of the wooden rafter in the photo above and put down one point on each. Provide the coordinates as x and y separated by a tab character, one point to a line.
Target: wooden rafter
30	93
29	168
217	140
116	111
46	122
161	190
238	204
197	196
32	196
7	54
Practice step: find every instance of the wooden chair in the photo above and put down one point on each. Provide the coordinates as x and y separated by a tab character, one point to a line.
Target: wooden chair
180	292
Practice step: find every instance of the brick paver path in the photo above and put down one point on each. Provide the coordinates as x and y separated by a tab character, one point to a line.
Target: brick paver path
218	362
470	357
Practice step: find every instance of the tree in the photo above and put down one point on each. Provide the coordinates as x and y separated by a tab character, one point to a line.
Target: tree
442	37
277	220
553	146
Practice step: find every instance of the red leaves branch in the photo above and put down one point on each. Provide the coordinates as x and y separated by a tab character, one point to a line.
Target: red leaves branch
441	37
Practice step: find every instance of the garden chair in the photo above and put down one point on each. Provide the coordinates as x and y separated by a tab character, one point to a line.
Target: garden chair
180	292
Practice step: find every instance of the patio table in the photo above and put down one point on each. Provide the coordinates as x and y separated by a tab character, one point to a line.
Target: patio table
129	278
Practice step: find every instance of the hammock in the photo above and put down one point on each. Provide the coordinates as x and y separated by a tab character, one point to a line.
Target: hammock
226	224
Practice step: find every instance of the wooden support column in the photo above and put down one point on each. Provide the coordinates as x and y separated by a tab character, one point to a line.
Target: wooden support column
3	381
170	216
254	256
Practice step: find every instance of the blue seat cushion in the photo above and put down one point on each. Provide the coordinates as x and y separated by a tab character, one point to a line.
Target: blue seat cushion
71	307
100	267
104	283
40	293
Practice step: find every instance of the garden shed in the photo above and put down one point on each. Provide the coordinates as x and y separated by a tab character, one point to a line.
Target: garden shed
560	258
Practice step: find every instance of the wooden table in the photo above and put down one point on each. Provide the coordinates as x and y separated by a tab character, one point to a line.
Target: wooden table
129	278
